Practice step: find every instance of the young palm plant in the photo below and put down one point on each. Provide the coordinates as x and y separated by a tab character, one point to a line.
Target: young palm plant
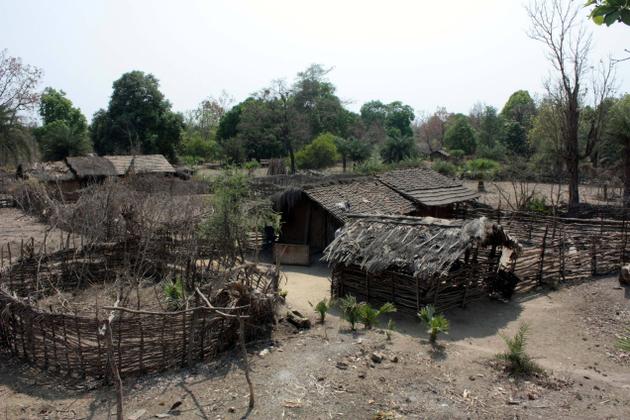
369	316
350	310
322	308
518	361
436	323
624	342
174	292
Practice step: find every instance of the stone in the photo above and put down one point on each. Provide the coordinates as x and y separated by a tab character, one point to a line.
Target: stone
624	275
300	321
377	357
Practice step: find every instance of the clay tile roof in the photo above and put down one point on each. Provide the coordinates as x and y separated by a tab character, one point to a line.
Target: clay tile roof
359	196
86	166
427	187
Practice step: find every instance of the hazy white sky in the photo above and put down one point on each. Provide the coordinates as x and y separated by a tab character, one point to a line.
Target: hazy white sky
424	53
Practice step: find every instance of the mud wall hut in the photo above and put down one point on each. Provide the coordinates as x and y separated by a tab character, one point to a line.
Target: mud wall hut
435	194
312	215
412	262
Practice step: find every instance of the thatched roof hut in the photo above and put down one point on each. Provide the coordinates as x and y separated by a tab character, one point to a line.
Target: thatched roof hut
427	187
140	164
56	171
91	166
412	261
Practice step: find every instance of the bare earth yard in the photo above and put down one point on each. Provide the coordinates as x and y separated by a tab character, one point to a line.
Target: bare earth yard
328	372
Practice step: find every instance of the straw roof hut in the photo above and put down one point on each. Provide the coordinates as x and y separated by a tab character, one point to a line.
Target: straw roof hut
140	164
49	172
94	167
413	261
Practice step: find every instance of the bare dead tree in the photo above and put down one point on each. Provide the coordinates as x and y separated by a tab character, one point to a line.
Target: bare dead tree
18	82
555	23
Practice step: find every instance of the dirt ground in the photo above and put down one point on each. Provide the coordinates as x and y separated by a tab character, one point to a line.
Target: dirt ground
328	371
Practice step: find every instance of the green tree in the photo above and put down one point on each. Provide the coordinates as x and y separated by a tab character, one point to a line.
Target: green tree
138	119
460	135
619	129
521	108
353	149
609	11
395	115
515	138
16	143
321	153
65	129
398	147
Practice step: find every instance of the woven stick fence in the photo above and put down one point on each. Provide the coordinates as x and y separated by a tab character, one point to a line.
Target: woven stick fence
563	250
142	341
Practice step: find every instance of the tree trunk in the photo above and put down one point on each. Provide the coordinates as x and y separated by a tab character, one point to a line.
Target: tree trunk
343	162
572	150
292	159
626	171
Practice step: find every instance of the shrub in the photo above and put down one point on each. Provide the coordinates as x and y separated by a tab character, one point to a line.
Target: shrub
481	169
457	154
251	166
195	147
518	361
445	168
350	310
537	204
369	316
370	167
436	323
174	292
321	153
322	308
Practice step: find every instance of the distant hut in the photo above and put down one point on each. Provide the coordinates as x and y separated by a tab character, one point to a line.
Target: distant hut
90	169
141	165
412	262
312	215
435	194
440	154
55	173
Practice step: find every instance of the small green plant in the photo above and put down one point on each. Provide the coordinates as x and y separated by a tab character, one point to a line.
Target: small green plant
391	327
624	342
371	166
350	310
518	361
369	316
322	308
537	204
283	293
436	323
174	292
251	166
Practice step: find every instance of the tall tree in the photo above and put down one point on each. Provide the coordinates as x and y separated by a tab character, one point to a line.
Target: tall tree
18	94
138	119
65	129
431	130
619	129
460	135
555	24
521	108
609	11
394	115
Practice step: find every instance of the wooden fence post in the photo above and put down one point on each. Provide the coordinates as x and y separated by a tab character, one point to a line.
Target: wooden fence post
542	257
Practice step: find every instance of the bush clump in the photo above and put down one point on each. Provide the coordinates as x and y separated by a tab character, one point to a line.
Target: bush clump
518	362
437	323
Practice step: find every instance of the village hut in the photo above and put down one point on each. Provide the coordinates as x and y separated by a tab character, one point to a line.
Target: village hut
440	154
141	165
413	262
54	173
90	169
311	215
435	194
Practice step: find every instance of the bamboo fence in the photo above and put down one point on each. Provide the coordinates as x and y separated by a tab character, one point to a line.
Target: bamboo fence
562	250
75	344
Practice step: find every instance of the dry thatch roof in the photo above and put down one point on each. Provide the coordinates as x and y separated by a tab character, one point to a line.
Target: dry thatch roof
87	166
359	196
421	246
427	187
140	164
49	171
